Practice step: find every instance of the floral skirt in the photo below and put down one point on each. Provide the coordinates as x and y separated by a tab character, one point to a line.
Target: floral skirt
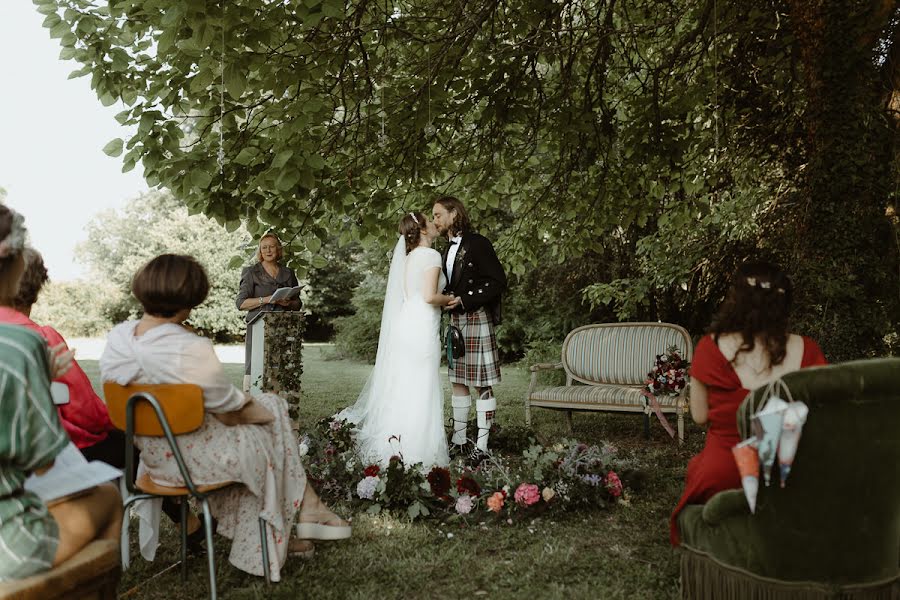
264	458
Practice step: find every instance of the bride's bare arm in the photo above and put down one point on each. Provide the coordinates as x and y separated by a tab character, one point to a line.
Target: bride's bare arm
430	292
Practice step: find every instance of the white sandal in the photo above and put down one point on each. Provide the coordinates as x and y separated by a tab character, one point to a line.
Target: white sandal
321	531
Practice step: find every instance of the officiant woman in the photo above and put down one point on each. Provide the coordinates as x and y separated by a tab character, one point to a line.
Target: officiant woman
259	282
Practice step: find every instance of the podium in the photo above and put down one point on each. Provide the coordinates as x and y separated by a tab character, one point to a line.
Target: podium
276	363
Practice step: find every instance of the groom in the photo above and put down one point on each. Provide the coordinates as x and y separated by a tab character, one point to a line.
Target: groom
476	279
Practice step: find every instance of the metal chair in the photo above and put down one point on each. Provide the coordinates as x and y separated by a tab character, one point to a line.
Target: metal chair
168	410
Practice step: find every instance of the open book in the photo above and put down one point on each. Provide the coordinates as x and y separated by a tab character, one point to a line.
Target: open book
285	293
70	474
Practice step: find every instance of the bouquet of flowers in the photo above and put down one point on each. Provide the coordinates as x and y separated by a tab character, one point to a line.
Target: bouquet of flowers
669	375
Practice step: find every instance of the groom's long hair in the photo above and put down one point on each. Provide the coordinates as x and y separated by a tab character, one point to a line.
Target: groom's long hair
461	223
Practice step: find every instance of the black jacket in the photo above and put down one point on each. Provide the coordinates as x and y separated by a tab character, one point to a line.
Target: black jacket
478	276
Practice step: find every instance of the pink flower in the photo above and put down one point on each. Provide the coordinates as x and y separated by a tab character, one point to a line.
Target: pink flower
464	504
496	501
614	484
527	494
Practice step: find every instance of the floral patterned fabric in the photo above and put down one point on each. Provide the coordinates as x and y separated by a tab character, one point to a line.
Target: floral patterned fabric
264	458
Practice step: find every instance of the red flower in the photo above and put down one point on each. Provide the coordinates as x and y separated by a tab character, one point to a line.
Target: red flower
467	485
372	471
439	482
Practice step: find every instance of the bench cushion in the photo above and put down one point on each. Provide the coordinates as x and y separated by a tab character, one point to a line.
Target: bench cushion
600	394
620	353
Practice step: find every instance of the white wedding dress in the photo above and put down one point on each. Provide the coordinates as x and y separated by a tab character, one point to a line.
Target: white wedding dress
401	408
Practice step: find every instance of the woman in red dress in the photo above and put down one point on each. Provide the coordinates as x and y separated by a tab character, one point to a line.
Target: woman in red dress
748	346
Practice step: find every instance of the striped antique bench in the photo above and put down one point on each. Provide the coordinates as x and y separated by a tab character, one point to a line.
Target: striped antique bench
606	368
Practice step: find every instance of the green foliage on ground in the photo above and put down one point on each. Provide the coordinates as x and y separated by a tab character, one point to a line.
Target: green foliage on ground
619	553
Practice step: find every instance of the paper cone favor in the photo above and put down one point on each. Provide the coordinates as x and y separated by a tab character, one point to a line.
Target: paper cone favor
791	428
747	460
767	427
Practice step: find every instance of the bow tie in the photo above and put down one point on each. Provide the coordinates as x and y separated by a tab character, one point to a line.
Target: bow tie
455	240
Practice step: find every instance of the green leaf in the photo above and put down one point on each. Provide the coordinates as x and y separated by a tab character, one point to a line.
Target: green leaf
235	81
246	156
315	161
287	179
235	262
200	179
319	261
80	72
333	8
281	158
59	30
114	148
51	20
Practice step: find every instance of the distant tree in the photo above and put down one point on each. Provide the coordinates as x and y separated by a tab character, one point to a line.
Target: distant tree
119	242
78	308
330	288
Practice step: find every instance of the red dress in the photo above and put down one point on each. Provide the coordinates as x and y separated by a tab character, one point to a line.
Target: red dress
85	418
714	469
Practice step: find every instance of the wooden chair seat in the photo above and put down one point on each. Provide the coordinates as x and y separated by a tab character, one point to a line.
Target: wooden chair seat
148	486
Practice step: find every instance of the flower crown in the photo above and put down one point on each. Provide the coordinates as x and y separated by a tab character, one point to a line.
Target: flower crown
14	243
762	284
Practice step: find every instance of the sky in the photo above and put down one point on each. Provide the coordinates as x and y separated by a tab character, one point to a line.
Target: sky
52	132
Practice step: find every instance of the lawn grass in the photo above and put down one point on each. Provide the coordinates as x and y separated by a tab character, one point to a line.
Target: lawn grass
618	553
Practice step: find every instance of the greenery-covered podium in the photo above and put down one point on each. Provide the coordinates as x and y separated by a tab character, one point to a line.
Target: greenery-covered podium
276	362
834	530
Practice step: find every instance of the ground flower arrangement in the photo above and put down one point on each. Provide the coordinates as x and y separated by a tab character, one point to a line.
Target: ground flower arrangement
521	479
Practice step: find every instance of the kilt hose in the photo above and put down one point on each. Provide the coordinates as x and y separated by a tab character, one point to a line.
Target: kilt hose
480	367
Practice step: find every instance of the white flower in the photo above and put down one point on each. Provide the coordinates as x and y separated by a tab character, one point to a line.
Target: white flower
464	504
303	448
548	494
365	489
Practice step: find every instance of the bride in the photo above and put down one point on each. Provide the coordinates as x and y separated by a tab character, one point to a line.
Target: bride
401	408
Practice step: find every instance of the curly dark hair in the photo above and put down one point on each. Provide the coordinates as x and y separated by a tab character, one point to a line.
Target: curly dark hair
461	223
33	279
6	222
757	305
411	227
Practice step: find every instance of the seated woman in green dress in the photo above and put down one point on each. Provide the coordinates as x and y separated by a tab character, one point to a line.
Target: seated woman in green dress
33	537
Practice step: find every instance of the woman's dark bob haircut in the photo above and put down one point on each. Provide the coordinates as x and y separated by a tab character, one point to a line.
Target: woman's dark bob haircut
170	283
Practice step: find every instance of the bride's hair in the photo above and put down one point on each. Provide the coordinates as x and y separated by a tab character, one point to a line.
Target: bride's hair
411	227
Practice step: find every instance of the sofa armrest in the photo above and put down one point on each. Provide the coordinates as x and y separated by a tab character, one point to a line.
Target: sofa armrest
730	503
545	367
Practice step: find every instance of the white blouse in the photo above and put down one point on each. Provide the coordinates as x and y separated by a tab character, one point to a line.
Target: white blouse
169	354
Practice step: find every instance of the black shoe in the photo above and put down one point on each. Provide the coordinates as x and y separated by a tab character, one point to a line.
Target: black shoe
477	456
197	540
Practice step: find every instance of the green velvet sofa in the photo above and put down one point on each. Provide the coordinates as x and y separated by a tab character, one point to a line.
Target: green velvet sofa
834	530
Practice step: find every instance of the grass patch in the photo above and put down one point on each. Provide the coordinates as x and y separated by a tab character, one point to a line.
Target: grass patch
619	553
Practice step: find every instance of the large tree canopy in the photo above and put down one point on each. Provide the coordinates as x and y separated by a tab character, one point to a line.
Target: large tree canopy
678	136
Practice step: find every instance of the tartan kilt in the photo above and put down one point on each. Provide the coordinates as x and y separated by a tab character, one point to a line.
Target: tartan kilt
480	367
